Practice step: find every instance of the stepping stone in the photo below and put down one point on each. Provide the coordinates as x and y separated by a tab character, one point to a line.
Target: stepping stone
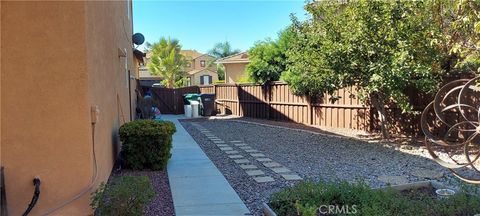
257	155
272	164
426	173
245	147
393	180
251	150
236	141
255	172
248	166
223	145
235	156
263	179
240	144
291	177
263	159
280	170
241	161
226	148
231	152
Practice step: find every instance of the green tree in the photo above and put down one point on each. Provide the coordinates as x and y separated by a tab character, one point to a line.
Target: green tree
268	58
166	60
459	25
382	47
222	50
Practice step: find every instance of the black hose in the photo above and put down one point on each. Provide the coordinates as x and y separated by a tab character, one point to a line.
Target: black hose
35	197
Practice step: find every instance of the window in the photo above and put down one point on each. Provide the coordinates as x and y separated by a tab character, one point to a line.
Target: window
205	80
202	63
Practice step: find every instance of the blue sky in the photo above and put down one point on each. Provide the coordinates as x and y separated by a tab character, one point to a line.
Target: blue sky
200	24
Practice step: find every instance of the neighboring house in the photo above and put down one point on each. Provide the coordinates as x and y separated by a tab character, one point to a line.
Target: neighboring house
235	67
138	61
64	103
200	69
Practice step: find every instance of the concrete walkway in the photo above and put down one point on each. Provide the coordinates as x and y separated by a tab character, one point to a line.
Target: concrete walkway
198	187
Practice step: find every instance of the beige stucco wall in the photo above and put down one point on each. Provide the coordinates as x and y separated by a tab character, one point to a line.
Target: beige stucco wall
109	75
195	78
207	59
58	60
234	71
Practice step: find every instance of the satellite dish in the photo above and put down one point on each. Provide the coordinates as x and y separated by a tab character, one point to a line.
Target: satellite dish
138	38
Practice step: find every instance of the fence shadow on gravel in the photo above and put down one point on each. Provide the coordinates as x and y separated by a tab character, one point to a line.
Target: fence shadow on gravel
276	102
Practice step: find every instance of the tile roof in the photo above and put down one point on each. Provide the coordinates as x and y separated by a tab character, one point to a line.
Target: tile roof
236	58
191	53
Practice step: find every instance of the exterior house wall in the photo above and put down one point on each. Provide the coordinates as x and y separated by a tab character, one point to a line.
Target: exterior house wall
234	72
69	55
195	78
192	64
207	59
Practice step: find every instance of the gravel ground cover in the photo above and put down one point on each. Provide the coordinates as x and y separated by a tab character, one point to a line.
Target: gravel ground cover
162	204
312	156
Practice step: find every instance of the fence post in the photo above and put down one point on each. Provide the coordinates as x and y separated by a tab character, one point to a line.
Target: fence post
268	98
238	99
215	99
310	109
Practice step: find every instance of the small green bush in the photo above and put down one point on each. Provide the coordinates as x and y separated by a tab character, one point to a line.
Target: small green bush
146	144
306	198
126	195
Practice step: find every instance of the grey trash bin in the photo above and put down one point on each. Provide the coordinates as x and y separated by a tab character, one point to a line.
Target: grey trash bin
208	104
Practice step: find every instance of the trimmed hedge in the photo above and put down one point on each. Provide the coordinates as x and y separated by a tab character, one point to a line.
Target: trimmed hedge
146	144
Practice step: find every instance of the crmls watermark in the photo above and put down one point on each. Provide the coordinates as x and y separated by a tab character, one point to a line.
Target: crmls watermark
335	209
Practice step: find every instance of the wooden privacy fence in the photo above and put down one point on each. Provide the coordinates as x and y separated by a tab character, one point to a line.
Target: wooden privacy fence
277	102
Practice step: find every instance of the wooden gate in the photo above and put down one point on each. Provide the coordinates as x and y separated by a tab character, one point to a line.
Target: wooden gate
170	101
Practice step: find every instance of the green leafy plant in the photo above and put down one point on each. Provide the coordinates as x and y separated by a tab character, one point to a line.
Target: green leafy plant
268	58
125	196
308	198
166	60
146	144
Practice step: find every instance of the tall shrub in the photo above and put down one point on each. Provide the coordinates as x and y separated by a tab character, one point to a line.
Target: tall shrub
146	144
268	58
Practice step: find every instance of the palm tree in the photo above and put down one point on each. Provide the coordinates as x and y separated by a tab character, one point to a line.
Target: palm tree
166	60
222	50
